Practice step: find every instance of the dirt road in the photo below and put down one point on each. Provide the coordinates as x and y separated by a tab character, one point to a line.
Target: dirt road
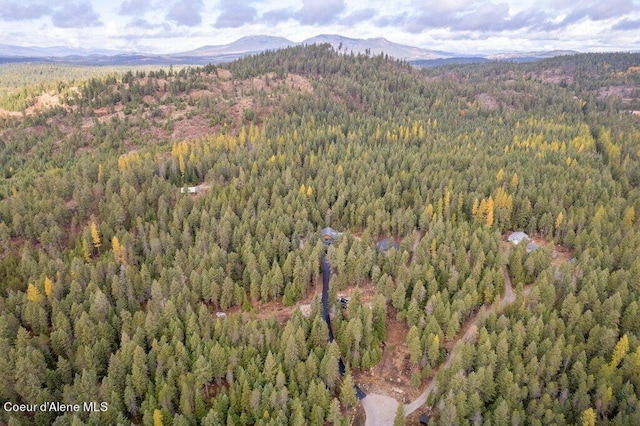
381	409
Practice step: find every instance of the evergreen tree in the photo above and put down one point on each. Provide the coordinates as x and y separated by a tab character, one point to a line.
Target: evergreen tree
399	419
347	391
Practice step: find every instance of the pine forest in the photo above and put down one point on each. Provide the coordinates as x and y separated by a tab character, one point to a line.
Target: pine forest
161	241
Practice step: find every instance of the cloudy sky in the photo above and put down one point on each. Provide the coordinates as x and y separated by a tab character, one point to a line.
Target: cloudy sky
163	26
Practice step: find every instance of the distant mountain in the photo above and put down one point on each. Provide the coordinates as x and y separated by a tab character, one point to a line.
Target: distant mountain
256	44
499	57
376	46
461	60
515	56
243	46
7	50
260	43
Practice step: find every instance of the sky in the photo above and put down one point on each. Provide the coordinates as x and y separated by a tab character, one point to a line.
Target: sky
462	26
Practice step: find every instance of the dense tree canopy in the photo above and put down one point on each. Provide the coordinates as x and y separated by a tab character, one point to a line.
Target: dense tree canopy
111	273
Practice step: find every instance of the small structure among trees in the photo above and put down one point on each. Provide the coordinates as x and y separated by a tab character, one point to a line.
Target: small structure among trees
189	190
518	237
329	234
387	244
532	246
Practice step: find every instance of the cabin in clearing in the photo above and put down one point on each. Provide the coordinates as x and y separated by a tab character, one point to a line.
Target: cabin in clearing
518	237
189	190
329	234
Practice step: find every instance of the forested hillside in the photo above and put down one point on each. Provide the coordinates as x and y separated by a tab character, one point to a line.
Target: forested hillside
114	274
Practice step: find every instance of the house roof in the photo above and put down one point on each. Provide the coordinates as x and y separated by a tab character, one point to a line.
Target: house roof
190	190
386	244
517	237
330	232
532	246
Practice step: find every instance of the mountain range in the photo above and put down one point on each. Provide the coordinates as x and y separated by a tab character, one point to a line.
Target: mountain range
255	44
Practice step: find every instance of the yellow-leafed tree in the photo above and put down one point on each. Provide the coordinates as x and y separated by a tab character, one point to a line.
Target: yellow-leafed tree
559	220
490	211
620	351
33	294
606	399
157	417
482	209
48	286
85	250
118	250
428	211
502	199
474	208
589	417
95	235
514	180
460	202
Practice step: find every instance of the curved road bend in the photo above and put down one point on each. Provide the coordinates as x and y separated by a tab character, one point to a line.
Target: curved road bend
380	410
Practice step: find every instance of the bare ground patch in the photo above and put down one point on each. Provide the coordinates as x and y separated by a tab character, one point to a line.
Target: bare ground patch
191	128
299	83
487	101
44	101
392	375
627	92
7	113
282	312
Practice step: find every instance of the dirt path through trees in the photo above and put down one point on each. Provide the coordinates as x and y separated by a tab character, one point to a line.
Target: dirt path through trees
380	410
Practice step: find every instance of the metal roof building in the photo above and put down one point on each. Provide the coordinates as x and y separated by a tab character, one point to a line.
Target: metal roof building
518	237
329	234
386	244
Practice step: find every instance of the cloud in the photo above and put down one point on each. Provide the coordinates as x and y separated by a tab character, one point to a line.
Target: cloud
425	20
134	7
358	16
488	16
627	24
143	24
235	14
314	12
163	31
599	11
19	12
76	15
610	9
276	16
460	36
533	19
392	21
186	12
